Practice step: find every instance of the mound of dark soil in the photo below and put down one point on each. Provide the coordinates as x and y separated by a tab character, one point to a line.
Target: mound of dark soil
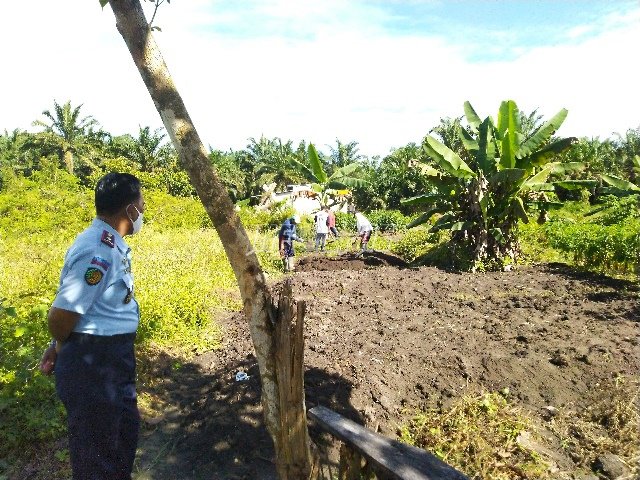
349	261
381	342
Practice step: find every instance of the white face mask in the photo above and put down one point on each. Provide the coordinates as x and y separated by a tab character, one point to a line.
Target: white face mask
137	223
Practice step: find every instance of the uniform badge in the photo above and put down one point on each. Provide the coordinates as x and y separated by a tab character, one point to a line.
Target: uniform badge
129	296
92	276
101	262
107	239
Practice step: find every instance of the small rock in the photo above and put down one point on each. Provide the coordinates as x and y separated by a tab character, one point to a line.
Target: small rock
549	412
559	360
610	465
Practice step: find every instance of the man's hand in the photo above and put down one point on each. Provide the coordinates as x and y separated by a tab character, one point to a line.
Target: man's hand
48	361
282	253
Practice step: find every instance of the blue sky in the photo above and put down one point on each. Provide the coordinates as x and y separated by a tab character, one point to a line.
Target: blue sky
381	73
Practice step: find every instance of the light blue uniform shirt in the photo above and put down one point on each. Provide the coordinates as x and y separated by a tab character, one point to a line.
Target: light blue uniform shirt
96	282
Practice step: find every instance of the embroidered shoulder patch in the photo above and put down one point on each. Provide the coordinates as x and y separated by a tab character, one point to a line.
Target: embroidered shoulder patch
92	276
101	262
107	239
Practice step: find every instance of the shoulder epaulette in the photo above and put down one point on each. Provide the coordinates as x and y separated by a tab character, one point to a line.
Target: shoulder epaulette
107	239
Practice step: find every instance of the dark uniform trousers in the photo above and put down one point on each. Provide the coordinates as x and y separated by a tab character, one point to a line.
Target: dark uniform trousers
95	379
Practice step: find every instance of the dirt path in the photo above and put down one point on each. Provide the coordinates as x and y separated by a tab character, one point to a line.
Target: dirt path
382	340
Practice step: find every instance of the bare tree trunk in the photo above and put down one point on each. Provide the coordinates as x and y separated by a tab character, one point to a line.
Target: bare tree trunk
135	31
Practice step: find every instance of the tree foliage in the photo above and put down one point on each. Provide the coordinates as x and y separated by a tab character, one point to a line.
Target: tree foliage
500	178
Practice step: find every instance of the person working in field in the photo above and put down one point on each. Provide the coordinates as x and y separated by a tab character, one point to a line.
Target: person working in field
286	238
322	228
93	319
363	229
331	223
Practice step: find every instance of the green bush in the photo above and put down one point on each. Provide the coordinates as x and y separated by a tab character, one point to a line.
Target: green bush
263	220
388	220
29	411
345	221
414	243
615	247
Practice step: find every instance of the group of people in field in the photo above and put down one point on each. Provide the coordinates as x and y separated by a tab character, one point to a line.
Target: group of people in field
324	225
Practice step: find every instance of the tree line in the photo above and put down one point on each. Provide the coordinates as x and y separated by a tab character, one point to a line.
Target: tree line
76	142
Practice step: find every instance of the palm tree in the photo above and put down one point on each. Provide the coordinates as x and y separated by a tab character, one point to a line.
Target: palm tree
344	153
272	161
69	134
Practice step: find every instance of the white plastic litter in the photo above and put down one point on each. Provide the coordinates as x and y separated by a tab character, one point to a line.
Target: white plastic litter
241	377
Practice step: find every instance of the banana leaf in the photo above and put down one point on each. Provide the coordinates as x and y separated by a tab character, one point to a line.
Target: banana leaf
508	176
619	183
470	143
316	165
542	134
426	198
508	126
447	159
346	171
575	184
543	155
472	117
460	226
486	148
497	234
425	217
443	223
517	207
309	175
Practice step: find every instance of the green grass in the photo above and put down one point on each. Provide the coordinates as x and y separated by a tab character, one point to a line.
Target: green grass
478	435
184	282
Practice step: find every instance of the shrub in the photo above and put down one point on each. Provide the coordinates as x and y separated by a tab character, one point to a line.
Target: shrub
414	243
345	221
388	220
29	411
264	220
615	247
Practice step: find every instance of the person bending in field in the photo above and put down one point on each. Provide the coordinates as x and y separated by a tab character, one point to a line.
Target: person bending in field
285	240
363	229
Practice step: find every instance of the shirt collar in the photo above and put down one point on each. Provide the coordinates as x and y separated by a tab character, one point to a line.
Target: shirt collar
102	225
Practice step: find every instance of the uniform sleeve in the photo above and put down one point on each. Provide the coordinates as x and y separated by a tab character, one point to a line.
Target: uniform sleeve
85	278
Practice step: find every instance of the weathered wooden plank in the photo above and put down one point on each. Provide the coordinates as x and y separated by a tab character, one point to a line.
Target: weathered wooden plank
393	458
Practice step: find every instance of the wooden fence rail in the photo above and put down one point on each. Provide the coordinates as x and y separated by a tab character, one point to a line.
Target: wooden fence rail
387	458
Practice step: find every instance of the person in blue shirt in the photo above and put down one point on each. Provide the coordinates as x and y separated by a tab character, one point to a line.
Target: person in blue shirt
93	320
286	238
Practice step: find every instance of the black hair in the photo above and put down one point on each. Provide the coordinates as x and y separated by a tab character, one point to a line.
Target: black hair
115	191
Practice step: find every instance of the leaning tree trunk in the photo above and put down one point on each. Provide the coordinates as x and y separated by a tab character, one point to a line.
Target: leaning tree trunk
135	31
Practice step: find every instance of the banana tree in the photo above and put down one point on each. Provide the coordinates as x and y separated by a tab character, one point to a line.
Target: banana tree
619	186
327	186
504	181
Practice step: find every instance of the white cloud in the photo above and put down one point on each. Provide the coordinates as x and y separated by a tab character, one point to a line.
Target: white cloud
339	76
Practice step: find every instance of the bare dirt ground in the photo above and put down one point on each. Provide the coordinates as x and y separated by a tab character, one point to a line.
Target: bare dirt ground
383	340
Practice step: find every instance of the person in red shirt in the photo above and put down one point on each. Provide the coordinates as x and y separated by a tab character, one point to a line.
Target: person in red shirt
331	223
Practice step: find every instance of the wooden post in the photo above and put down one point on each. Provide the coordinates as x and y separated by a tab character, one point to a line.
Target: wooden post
295	461
350	463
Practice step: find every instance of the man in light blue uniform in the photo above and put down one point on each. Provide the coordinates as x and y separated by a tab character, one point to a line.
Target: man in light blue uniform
93	319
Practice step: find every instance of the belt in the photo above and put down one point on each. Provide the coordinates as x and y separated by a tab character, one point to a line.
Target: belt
101	339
